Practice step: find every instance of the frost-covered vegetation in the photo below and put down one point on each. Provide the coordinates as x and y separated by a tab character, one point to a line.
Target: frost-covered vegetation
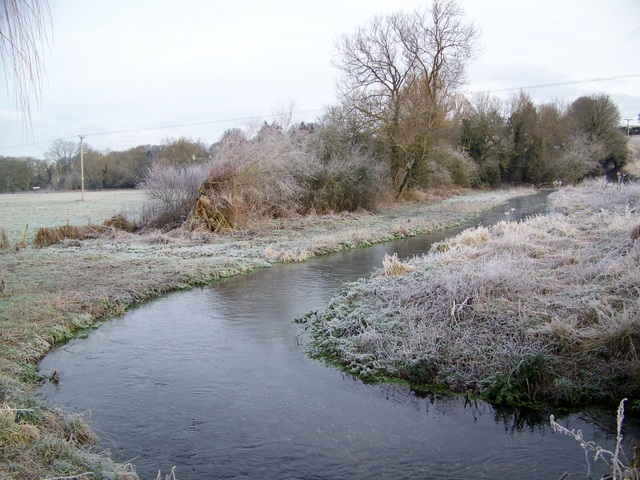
50	209
541	310
621	468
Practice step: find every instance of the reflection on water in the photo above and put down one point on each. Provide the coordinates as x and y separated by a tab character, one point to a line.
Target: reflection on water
214	382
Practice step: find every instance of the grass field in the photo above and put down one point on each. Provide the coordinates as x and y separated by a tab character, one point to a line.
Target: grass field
50	209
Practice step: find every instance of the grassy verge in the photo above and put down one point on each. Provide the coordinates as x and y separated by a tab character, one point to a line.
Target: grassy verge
542	310
50	294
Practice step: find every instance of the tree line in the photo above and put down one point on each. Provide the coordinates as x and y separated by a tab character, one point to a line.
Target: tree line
400	117
60	167
485	142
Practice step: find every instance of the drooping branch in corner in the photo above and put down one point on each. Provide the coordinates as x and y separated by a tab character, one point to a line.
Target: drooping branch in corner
24	27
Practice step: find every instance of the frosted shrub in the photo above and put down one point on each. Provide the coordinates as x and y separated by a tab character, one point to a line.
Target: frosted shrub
447	166
175	188
343	183
252	179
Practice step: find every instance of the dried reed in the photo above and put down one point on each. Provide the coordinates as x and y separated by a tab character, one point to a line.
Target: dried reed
619	471
392	266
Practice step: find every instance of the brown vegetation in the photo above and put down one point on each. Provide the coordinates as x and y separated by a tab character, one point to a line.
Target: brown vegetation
46	236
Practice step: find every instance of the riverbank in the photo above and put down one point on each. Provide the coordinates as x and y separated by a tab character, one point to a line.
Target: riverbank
53	293
545	310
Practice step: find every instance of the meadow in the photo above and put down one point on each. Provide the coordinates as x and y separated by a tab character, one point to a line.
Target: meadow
48	209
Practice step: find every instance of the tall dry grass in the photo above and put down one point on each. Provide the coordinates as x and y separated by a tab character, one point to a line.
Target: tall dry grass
615	460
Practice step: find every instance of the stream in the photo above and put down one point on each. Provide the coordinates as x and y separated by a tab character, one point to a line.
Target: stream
216	382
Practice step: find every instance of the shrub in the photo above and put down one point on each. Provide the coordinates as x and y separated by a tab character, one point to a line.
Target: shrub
251	179
448	167
175	188
345	183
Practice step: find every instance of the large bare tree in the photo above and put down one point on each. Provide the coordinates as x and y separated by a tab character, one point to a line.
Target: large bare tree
24	26
399	74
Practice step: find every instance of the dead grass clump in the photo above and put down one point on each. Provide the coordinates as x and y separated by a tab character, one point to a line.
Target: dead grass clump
475	236
392	266
286	255
78	430
612	337
470	237
120	222
403	231
13	431
46	236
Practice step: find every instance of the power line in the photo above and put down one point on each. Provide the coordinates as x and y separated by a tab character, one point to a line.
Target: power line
241	119
558	84
162	127
195	124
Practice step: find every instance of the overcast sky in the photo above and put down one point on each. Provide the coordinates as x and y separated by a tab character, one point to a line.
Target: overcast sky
120	70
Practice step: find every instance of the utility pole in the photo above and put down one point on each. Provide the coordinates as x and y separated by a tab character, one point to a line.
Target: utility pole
82	167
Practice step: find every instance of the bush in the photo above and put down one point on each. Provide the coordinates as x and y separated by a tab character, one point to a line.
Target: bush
175	188
448	167
252	179
344	183
278	174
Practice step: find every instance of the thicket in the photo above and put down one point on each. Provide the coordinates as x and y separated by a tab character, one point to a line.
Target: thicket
336	165
275	173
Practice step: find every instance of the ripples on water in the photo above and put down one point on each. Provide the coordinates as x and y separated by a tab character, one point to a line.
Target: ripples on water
214	382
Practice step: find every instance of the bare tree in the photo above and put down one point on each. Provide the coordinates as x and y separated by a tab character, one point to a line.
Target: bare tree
60	158
402	69
23	31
